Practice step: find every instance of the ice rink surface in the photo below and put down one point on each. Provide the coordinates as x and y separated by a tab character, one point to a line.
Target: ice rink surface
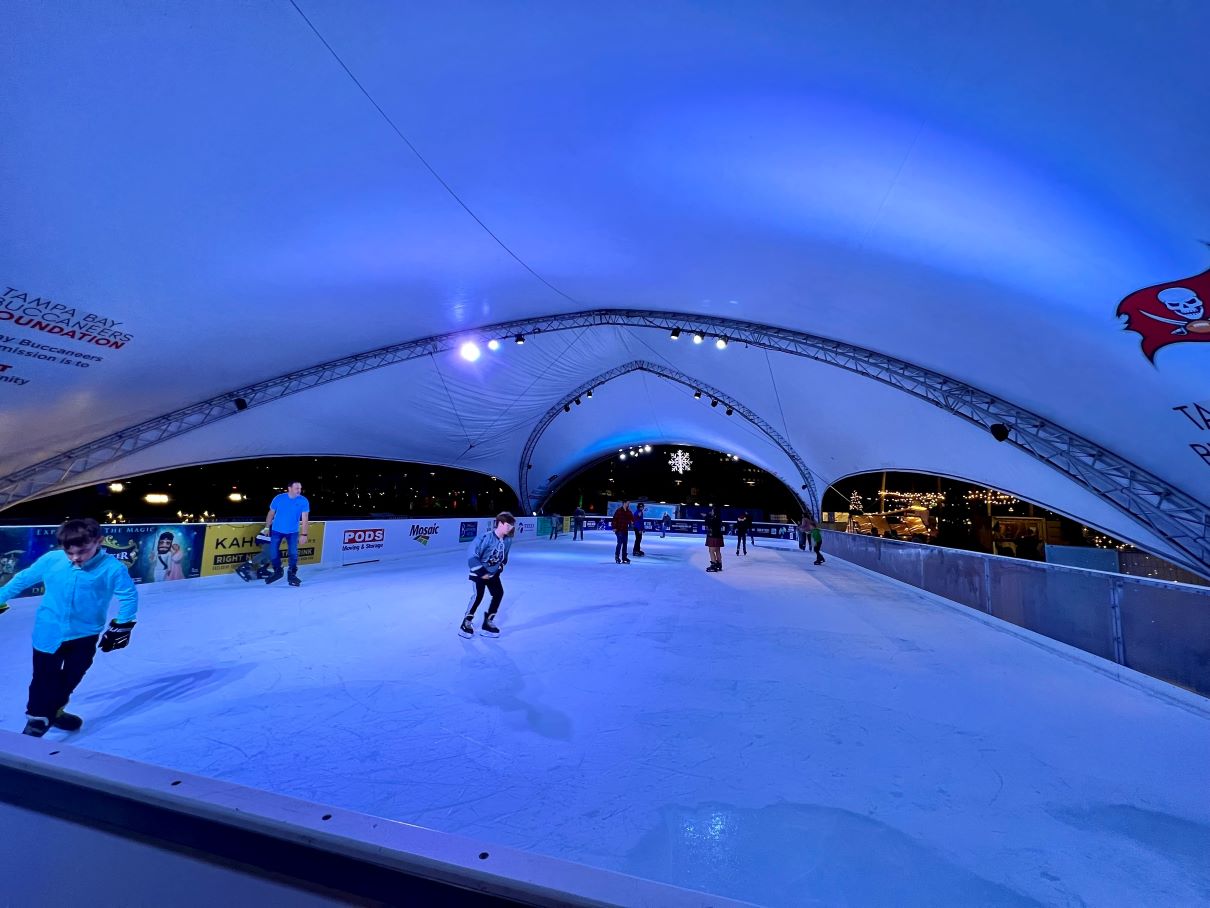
780	733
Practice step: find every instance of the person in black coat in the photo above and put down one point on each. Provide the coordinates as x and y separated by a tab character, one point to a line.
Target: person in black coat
714	540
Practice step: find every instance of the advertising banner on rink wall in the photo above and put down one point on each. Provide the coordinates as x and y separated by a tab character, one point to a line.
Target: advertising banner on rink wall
362	541
156	553
22	546
228	545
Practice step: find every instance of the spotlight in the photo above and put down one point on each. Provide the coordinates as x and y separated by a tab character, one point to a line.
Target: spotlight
622	456
676	332
697	338
469	351
493	344
697	395
567	408
714	403
589	394
520	338
999	431
240	404
577	401
647	448
729	411
721	343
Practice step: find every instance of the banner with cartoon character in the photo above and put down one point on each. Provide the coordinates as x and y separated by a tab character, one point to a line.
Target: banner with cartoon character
1169	313
22	546
154	554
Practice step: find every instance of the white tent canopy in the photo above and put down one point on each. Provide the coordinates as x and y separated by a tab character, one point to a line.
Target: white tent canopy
913	221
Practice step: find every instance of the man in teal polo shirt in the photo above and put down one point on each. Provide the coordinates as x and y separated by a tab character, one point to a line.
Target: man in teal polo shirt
289	517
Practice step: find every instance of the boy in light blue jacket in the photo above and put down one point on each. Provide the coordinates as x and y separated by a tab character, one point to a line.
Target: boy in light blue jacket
81	581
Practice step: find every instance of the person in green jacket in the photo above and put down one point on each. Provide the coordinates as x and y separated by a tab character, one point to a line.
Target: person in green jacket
81	581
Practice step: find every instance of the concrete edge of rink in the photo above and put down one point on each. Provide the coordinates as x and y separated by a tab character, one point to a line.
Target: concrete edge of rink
28	764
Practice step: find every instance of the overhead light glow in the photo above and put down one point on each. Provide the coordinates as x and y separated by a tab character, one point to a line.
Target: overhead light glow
469	351
235	496
721	343
155	498
520	338
646	447
676	332
117	487
622	456
493	344
697	338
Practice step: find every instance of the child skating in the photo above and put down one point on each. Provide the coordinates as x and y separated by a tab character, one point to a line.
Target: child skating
488	556
81	581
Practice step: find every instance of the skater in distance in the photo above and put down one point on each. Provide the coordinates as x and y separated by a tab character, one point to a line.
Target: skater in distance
714	540
80	580
487	558
622	519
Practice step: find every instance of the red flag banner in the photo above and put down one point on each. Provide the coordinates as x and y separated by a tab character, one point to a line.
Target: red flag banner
1169	313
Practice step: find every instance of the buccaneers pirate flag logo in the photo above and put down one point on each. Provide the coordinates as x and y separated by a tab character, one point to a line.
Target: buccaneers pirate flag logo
1169	313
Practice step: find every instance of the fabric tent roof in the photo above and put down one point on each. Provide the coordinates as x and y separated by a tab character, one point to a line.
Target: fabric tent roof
224	194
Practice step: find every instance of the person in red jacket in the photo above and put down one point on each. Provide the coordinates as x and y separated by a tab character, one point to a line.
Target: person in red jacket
622	519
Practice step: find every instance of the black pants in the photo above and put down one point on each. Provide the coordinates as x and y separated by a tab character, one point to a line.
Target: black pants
802	540
57	674
741	539
638	540
577	529
619	551
493	585
815	547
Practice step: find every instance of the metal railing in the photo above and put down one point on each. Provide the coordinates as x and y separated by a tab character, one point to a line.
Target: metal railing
1157	628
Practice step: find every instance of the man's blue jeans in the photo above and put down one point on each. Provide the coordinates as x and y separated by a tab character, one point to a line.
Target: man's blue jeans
291	549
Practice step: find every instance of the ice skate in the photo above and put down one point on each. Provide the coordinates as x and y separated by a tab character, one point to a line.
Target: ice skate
711	568
66	721
819	560
490	629
277	575
292	579
245	572
467	629
264	572
625	561
36	726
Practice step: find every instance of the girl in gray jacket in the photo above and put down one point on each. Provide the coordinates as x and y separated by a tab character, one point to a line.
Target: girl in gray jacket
488	555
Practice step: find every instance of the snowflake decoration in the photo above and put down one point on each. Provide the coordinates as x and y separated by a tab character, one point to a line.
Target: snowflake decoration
680	462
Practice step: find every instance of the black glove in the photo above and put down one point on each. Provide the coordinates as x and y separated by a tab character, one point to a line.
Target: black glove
117	637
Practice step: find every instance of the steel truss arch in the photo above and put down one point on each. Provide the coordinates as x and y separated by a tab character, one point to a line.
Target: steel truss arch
531	500
1171	514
